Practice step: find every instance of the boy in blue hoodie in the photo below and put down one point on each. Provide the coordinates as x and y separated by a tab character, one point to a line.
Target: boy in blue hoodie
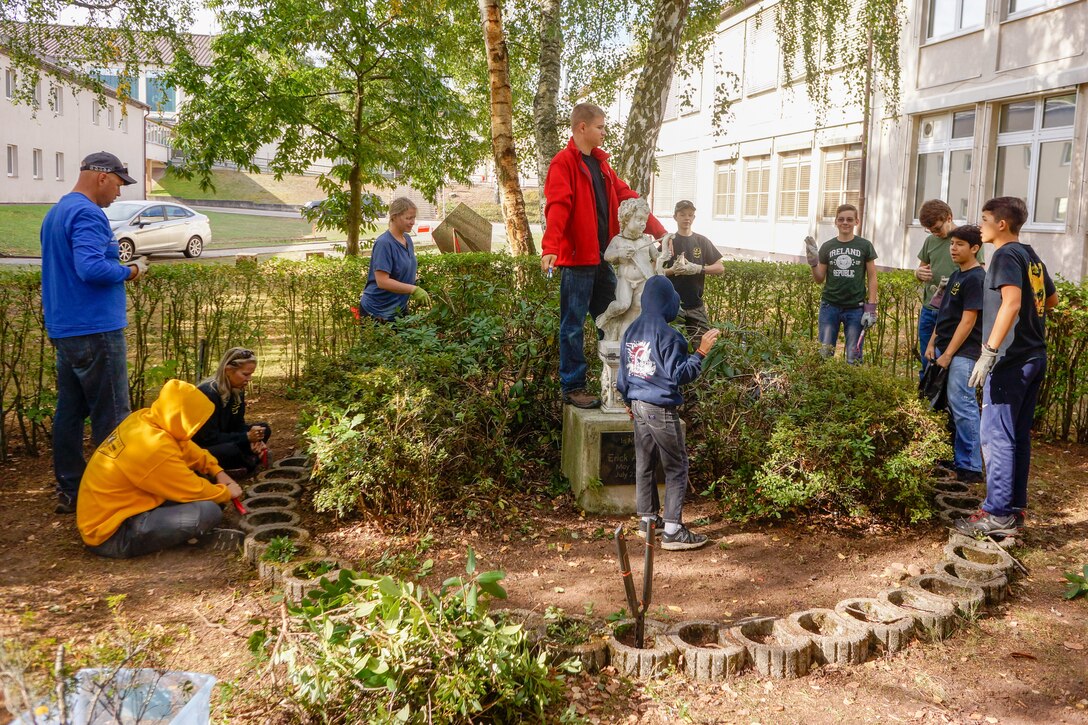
654	363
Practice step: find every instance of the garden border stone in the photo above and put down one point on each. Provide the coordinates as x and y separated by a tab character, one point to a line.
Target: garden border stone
968	598
255	518
996	588
708	664
298	474
257	539
293	461
295	588
835	639
275	486
646	662
593	654
789	657
269	501
979	559
892	628
935	617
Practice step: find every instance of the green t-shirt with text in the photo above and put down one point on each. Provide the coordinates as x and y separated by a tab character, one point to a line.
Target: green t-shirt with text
845	285
936	254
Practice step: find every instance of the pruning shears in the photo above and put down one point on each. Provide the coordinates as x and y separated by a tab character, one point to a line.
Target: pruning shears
861	339
638	610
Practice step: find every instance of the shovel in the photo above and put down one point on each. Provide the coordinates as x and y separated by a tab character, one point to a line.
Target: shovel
638	611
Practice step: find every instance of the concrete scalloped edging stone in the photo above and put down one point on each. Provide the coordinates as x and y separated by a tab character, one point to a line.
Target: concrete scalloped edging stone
718	658
890	628
773	649
646	662
835	639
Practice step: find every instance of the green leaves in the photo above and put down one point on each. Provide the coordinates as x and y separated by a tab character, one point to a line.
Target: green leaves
1078	584
404	653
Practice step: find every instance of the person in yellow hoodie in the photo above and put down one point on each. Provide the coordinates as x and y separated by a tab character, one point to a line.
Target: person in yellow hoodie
141	492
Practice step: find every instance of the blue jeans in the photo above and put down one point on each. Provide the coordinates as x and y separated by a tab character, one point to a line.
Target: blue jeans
927	320
659	437
963	407
831	317
1008	409
164	527
582	290
92	380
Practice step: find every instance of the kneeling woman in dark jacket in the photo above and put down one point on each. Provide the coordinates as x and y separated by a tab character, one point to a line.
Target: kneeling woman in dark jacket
226	435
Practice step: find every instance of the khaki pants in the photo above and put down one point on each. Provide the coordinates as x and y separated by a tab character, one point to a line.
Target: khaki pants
695	323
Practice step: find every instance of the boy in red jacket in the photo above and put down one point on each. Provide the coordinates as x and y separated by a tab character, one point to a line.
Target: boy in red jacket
583	196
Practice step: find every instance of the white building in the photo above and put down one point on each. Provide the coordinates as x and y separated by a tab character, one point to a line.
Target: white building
990	97
42	151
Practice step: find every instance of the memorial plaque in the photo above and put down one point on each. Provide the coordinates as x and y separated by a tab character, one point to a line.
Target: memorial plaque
617	459
463	230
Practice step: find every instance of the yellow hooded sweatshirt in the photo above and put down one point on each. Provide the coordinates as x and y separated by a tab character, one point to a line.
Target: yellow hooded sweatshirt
147	460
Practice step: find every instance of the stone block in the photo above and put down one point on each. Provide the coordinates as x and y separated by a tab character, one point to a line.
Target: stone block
599	460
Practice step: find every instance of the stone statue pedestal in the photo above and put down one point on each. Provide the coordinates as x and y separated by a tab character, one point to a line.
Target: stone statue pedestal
609	352
599	460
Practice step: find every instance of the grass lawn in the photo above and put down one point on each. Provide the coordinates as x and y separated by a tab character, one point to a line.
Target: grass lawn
240	186
21	223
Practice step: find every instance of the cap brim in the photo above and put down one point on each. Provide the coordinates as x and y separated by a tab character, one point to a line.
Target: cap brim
128	180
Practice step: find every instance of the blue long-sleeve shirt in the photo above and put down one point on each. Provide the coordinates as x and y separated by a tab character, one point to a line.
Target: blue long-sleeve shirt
654	359
83	282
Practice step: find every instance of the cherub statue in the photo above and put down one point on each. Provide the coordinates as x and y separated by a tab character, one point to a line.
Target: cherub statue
636	258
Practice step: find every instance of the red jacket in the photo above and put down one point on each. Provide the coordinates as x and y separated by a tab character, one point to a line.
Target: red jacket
571	211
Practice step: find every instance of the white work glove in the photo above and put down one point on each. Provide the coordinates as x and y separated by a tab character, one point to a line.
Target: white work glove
985	361
868	315
812	251
141	267
681	267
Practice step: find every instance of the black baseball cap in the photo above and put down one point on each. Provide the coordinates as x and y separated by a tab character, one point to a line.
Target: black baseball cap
682	205
108	163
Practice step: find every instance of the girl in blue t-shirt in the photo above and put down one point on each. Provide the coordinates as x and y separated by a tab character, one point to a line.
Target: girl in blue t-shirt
391	281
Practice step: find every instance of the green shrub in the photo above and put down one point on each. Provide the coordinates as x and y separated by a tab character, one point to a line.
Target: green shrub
389	651
779	429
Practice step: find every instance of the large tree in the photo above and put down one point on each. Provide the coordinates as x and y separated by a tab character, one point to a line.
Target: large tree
364	84
502	129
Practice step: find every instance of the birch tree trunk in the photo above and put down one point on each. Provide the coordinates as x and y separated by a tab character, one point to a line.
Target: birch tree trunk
546	101
636	158
518	234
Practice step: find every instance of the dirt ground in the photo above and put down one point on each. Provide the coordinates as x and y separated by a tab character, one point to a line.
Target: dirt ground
1024	662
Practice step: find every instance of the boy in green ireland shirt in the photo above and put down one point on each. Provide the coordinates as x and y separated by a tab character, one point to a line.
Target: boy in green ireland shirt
846	266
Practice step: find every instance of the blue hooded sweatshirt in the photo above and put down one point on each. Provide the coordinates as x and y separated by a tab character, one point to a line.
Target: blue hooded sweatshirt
654	359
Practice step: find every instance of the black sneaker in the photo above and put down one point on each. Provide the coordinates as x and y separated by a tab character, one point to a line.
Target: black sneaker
65	504
581	399
965	475
659	527
987	524
683	540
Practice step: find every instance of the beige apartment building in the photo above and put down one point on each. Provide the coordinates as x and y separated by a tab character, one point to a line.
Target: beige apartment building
43	150
993	103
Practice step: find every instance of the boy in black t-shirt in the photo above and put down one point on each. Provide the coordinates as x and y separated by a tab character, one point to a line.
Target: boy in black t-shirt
701	258
1010	367
955	345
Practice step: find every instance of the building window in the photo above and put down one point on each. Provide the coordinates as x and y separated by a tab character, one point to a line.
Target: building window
1034	155
729	64
760	53
59	160
1023	6
123	122
96	112
794	179
56	99
109	116
36	163
674	180
38	94
944	160
951	16
725	190
841	179
757	187
9	83
13	160
160	97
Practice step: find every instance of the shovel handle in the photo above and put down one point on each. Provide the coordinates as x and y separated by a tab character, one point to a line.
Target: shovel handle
625	571
648	569
238	505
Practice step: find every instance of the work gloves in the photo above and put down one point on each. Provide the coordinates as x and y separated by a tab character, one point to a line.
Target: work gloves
420	296
868	315
986	359
681	267
141	267
812	252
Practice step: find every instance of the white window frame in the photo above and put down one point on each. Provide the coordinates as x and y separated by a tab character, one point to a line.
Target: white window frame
96	113
958	27
56	99
760	42
58	161
761	164
109	116
674	180
1035	138
801	159
729	50
36	164
725	169
944	146
9	83
1040	7
122	122
837	155
13	161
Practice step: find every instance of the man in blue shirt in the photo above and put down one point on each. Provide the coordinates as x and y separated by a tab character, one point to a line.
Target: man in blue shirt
83	297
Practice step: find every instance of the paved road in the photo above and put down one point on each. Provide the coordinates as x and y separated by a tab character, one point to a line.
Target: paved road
250	212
